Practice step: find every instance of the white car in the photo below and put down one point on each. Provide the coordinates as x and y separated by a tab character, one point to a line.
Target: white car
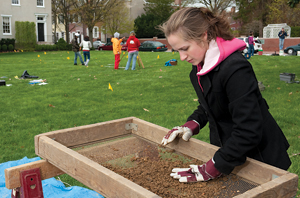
97	44
257	46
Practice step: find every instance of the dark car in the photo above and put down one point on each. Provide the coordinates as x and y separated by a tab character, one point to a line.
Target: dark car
292	49
108	46
153	46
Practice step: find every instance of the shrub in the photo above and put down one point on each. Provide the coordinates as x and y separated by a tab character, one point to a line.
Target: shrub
10	47
69	47
295	31
4	47
61	44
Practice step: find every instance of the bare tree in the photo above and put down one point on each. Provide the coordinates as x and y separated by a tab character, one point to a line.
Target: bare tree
54	9
216	6
63	9
93	11
118	20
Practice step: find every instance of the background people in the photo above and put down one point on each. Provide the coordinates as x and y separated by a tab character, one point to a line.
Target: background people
75	48
133	45
117	48
86	46
282	34
251	44
228	94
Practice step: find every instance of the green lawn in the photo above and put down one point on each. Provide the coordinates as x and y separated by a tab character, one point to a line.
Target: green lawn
79	95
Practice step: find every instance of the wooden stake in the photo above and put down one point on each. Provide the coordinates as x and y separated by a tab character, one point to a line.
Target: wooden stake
141	60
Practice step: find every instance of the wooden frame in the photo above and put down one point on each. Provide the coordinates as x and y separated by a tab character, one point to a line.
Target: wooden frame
55	146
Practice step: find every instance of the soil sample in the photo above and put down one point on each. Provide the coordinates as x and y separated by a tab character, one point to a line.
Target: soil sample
150	166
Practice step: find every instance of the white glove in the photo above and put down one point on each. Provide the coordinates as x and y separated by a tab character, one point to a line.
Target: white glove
196	173
183	132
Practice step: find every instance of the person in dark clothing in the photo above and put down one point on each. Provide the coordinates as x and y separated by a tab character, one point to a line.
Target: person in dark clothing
75	48
282	34
228	94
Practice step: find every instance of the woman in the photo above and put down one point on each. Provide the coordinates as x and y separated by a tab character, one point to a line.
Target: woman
133	45
228	94
117	48
86	46
251	44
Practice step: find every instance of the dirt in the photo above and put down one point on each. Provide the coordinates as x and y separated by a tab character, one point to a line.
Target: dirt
150	167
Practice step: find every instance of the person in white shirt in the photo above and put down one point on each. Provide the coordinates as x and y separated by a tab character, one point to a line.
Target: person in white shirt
86	46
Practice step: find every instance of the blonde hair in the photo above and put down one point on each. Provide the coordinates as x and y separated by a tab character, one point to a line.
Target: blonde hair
192	23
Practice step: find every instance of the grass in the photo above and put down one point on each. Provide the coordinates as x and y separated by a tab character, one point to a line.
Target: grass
79	95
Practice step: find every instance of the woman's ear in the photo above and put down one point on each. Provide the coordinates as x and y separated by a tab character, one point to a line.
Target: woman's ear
204	37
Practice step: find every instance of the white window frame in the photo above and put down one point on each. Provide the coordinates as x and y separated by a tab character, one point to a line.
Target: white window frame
87	31
97	36
16	4
42	6
44	17
9	16
60	16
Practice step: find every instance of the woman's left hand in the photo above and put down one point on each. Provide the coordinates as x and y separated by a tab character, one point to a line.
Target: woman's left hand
196	173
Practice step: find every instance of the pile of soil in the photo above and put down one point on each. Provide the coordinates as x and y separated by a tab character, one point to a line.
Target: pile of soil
151	166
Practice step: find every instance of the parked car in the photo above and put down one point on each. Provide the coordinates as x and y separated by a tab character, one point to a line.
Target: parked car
292	49
153	46
97	44
257	45
108	46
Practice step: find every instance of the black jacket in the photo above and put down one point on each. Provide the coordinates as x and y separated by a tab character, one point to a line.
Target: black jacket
238	116
75	45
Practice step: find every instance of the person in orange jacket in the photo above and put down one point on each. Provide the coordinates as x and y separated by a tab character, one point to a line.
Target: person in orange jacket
117	48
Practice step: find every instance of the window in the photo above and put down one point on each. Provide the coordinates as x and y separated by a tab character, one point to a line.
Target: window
40	3
15	2
6	25
63	35
96	32
60	19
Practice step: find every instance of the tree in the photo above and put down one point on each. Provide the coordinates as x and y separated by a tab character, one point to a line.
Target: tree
217	6
63	8
93	11
281	12
293	3
156	13
118	20
54	9
253	10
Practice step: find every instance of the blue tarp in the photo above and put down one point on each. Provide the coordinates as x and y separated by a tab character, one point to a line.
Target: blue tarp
52	188
168	62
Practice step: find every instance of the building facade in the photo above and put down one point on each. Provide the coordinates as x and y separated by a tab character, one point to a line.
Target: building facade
37	11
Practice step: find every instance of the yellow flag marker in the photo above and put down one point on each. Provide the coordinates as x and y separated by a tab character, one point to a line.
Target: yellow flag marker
158	57
109	87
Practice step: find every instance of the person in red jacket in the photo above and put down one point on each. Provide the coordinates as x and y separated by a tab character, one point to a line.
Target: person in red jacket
133	45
